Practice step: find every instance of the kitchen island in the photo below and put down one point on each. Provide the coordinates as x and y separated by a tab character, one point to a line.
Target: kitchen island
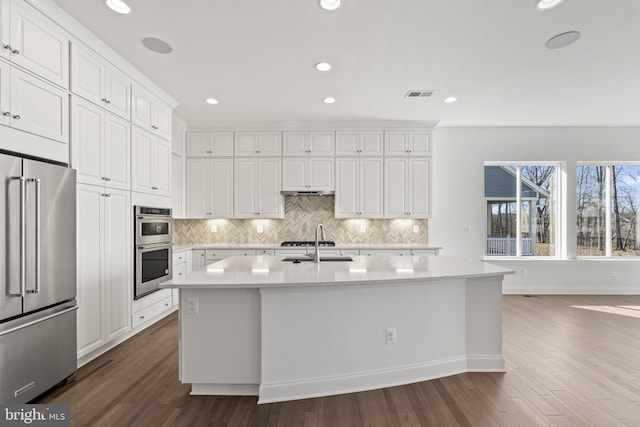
279	330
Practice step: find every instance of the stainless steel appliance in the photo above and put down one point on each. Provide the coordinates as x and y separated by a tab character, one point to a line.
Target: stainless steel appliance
153	248
303	243
38	274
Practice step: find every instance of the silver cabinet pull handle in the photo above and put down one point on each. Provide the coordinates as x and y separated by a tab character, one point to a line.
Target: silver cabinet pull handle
15	51
17	117
6	47
104	99
6	113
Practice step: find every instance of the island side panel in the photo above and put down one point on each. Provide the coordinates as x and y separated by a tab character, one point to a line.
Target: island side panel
484	324
325	340
220	345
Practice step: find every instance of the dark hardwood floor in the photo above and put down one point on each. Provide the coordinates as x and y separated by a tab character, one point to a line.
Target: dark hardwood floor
566	366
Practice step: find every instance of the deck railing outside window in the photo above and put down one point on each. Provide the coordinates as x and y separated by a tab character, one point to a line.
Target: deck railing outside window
507	246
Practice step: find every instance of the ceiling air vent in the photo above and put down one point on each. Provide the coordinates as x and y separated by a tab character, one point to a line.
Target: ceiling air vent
419	93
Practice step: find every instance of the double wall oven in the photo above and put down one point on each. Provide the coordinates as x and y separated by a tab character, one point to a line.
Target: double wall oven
153	248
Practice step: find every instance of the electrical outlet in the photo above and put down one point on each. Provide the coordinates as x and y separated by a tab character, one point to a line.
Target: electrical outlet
363	228
614	272
390	335
416	228
214	228
193	305
260	228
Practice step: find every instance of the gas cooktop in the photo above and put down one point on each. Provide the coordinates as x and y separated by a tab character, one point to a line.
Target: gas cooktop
297	243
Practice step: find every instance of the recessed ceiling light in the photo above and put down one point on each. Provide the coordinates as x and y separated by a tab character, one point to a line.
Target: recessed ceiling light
157	45
562	40
330	4
211	101
118	6
450	99
323	66
547	4
328	100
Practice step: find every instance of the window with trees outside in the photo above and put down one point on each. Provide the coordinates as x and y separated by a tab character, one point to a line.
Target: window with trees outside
607	206
521	220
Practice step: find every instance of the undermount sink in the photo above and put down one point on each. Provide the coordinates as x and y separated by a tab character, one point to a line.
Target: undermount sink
326	258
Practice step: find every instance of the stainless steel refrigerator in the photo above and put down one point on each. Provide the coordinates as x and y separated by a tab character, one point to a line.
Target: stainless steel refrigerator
38	276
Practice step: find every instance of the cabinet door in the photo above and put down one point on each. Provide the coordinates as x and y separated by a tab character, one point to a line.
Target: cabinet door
5	27
222	144
395	188
43	47
141	157
39	107
395	143
295	143
89	217
371	143
87	74
419	187
161	117
197	188
270	143
347	143
161	168
294	174
371	187
420	143
87	143
221	188
322	143
116	261
5	89
177	136
270	201
347	183
176	186
245	188
320	174
116	152
141	110
246	144
197	259
117	92
198	144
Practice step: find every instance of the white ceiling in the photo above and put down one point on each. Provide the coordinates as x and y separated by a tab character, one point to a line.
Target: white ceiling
257	58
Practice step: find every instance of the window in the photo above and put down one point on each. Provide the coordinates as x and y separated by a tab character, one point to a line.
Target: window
607	205
522	220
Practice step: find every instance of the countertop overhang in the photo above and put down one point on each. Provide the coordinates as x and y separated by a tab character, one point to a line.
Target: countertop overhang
261	271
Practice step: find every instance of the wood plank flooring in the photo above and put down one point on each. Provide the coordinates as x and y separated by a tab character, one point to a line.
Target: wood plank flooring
566	366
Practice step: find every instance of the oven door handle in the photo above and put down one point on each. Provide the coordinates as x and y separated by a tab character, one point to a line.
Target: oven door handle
154	246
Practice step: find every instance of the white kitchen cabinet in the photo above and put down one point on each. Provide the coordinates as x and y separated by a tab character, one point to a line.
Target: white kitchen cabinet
213	255
359	143
32	41
359	188
209	188
104	266
32	105
401	252
407	189
318	143
257	144
179	272
101	146
150	164
177	138
197	259
94	79
257	186
176	186
209	144
150	113
407	143
308	173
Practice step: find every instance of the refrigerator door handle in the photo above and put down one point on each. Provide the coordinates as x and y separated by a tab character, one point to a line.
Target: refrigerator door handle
23	236
38	236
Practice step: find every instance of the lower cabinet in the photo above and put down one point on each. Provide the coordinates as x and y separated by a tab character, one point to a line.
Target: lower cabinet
197	259
103	265
180	262
151	306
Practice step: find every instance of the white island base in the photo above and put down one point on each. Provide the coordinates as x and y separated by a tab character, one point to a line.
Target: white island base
282	331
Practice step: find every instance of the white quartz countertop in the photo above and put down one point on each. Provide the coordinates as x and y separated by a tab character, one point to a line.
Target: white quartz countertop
261	271
241	246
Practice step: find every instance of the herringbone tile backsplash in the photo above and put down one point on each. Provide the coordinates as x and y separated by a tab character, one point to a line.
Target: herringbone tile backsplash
302	214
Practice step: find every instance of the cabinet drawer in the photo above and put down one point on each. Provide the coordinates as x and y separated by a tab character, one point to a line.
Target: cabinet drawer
179	270
179	258
369	252
215	254
152	311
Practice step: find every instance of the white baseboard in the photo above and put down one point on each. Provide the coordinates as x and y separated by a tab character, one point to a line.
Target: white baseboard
224	389
507	290
485	363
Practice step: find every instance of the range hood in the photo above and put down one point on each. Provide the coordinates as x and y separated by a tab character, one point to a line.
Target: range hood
308	193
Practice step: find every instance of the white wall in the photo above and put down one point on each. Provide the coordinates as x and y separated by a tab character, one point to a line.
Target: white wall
458	200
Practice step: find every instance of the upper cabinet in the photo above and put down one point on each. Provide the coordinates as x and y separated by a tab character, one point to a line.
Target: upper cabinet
407	187
32	41
257	144
407	143
209	144
257	184
150	113
150	163
319	143
359	143
99	82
